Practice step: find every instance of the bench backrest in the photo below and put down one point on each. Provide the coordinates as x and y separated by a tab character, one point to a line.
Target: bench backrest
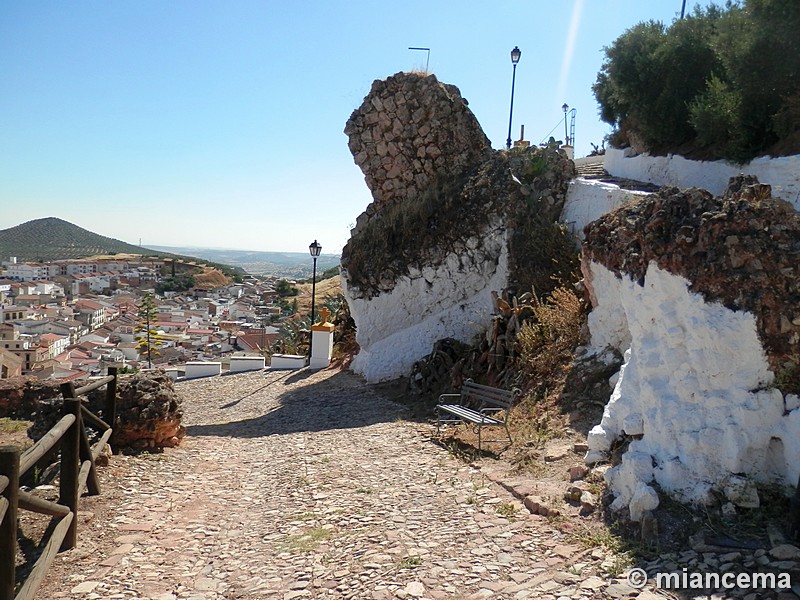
484	395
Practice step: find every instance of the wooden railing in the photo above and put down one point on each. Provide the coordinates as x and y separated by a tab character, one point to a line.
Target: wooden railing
77	471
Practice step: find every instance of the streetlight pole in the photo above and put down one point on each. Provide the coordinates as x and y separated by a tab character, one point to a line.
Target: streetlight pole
315	249
515	54
565	108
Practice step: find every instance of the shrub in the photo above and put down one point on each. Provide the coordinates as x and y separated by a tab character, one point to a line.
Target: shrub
716	116
721	79
548	341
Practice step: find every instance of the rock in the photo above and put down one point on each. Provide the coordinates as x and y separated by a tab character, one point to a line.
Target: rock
573	493
415	589
148	412
741	491
737	251
588	502
533	504
785	552
620	590
594	456
644	499
580	448
373	128
649	529
577	472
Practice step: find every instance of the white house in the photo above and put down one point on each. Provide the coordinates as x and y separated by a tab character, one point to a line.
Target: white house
55	343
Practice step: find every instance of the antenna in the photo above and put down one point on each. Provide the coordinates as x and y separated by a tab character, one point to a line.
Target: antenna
428	60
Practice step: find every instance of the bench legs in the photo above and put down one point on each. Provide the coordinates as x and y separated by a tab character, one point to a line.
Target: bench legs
508	433
440	420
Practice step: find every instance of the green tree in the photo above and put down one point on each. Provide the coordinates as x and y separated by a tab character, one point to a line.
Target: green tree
651	74
725	79
148	340
284	288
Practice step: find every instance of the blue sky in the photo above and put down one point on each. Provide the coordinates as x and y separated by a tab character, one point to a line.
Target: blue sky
219	124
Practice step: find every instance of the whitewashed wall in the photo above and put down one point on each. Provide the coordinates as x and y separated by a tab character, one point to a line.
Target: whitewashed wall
696	387
589	199
452	299
782	173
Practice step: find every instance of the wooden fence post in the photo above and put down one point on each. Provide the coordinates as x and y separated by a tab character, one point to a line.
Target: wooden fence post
70	467
92	481
9	468
110	410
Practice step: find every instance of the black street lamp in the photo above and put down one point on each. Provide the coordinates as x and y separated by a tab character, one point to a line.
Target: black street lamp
515	54
314	248
565	108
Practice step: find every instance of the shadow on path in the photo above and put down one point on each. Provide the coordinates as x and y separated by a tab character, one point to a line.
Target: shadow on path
337	402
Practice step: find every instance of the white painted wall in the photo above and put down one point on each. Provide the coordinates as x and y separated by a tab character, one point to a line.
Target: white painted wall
695	385
782	173
196	369
453	299
589	199
240	364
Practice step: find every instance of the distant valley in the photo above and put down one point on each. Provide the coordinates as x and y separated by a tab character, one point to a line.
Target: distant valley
293	265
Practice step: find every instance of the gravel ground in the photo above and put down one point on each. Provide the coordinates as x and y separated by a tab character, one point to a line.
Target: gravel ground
312	485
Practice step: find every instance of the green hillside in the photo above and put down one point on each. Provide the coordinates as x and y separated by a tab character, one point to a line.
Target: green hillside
49	239
52	239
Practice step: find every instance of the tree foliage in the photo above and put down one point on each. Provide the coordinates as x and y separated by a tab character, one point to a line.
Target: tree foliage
179	283
148	339
284	288
724	79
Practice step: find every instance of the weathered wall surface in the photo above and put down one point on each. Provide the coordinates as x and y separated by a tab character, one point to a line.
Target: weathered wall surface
589	199
701	293
449	300
451	222
410	131
148	408
782	173
19	396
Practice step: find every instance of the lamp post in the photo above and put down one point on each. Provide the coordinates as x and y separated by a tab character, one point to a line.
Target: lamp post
314	248
565	108
515	54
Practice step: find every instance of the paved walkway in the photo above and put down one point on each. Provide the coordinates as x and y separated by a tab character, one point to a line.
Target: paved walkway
309	485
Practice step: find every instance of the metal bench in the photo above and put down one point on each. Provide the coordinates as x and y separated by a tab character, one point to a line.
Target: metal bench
477	404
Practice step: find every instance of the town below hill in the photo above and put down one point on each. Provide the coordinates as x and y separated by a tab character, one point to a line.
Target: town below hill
72	318
292	265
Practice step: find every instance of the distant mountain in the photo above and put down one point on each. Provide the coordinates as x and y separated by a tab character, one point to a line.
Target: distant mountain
294	265
52	239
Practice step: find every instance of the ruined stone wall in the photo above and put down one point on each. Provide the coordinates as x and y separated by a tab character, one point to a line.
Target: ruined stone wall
148	408
19	396
452	221
701	294
412	131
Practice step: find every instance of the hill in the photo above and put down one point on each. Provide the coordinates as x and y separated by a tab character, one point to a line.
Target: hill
52	239
293	265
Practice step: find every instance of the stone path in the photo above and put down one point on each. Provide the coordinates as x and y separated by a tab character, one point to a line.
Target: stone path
309	485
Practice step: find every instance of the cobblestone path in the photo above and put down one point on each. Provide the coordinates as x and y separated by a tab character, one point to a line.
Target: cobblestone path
309	485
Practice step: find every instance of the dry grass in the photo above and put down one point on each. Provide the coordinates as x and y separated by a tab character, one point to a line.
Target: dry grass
547	343
14	432
326	288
